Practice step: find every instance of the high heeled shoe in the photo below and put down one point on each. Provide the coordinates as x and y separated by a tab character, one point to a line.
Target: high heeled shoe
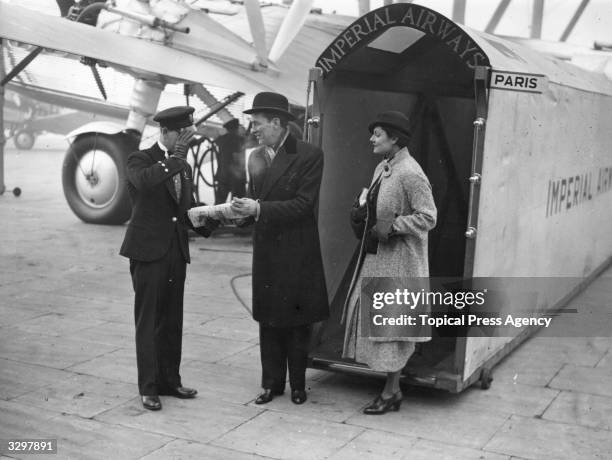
381	405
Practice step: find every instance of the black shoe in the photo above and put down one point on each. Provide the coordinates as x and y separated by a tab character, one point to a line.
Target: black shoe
298	396
381	405
179	392
267	396
151	402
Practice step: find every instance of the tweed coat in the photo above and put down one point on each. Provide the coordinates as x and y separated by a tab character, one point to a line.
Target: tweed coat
404	208
156	213
288	280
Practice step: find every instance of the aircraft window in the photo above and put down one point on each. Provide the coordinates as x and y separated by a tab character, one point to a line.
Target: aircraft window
397	39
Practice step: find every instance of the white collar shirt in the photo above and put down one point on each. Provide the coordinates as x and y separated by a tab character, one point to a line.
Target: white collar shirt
271	151
163	147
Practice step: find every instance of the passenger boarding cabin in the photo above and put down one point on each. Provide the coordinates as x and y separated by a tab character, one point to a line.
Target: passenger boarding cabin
517	146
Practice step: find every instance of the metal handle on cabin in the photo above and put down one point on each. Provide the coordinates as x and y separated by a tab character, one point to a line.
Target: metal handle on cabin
314	122
306	134
475	179
314	75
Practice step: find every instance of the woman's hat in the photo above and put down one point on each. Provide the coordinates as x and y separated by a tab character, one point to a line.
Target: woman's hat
392	119
270	103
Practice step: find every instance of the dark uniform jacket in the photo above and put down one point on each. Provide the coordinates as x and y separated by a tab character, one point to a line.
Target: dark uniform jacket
156	213
288	279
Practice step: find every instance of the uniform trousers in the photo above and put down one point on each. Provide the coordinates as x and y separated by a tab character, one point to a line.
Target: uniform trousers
158	314
282	348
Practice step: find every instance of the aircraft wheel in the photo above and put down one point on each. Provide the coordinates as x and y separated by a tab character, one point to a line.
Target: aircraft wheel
24	140
94	179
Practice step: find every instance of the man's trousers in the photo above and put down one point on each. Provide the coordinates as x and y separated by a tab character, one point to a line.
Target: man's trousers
158	313
284	348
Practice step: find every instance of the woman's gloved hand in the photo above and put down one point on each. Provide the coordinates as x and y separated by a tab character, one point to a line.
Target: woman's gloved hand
359	210
358	214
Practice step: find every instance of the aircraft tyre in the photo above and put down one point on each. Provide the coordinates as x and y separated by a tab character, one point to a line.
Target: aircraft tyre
24	140
94	178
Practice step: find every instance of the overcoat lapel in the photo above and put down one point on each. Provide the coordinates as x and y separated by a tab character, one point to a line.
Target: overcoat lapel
283	159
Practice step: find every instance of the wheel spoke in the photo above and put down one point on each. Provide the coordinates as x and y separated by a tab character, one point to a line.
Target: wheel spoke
77	160
94	153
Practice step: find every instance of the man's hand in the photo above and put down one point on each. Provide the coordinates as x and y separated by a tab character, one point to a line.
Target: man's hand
245	207
182	144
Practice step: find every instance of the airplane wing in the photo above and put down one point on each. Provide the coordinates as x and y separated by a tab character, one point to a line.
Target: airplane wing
560	50
593	60
132	55
70	100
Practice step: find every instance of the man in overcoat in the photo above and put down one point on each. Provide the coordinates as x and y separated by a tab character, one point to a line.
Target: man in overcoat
160	188
289	292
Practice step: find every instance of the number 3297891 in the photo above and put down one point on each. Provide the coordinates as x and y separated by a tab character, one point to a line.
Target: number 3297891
39	446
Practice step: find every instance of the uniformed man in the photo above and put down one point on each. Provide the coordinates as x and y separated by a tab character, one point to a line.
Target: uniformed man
160	188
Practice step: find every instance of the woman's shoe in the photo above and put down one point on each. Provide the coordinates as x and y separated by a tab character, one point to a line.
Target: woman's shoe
381	405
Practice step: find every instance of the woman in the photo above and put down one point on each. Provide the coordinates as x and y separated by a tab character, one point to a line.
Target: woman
392	220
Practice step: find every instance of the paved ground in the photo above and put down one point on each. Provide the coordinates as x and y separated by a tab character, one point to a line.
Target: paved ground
67	365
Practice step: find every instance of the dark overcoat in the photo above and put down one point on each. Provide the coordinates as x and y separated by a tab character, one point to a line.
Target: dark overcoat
288	279
156	213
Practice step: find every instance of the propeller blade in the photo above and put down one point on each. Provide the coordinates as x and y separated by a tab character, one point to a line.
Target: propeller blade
290	27
258	29
96	74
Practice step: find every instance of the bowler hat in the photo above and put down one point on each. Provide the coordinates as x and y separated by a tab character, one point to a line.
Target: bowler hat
392	119
175	117
267	102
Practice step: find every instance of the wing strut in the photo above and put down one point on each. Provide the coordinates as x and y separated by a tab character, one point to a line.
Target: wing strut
22	65
290	27
258	30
